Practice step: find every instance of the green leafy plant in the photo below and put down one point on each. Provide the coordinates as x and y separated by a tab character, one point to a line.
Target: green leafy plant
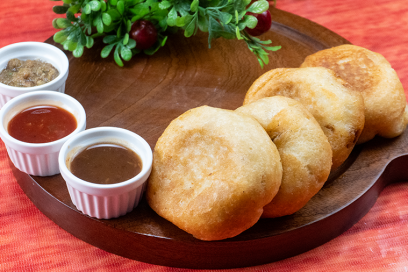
112	20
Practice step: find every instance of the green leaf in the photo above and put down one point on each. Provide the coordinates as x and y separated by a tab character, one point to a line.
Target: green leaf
125	53
255	39
183	12
265	42
241	26
126	39
250	21
128	26
241	14
131	44
54	23
60	36
84	17
114	14
109	38
63	23
238	33
164	4
213	28
180	21
106	18
261	52
273	48
87	9
163	42
89	42
159	15
239	5
162	23
97	35
225	17
82	39
103	5
119	31
95	5
106	50
109	28
117	58
67	1
69	45
261	63
247	2
113	2
171	17
73	36
202	23
59	9
264	58
140	11
194	6
99	24
75	8
79	50
120	7
190	29
132	2
65	45
258	6
71	16
151	3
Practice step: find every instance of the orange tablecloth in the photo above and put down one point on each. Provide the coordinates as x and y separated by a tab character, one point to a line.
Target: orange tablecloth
29	241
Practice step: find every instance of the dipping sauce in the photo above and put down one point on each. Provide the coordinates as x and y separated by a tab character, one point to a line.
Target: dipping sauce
106	163
29	73
41	124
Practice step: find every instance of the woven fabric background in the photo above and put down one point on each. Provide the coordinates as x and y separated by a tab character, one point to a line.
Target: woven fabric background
29	241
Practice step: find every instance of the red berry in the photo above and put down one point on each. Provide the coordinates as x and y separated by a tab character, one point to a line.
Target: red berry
144	33
264	23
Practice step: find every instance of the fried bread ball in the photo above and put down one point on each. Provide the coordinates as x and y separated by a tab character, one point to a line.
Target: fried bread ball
305	152
386	112
213	172
337	108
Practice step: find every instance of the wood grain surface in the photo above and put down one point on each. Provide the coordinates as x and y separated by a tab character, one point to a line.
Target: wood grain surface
378	242
150	92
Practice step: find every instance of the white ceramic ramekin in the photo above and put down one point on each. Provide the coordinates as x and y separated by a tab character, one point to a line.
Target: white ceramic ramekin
33	50
105	201
38	159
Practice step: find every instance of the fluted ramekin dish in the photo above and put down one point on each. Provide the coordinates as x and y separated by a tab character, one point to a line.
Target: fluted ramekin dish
33	50
38	159
105	201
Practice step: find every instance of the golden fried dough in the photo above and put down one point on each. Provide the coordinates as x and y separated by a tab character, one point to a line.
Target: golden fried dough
305	152
338	109
213	172
386	112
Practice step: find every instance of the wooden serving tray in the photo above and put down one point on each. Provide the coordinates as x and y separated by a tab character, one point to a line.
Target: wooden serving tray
149	92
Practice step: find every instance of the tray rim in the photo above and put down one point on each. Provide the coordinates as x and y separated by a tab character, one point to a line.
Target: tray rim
33	190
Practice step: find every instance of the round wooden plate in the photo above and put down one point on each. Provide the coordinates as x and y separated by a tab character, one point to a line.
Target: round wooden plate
149	92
